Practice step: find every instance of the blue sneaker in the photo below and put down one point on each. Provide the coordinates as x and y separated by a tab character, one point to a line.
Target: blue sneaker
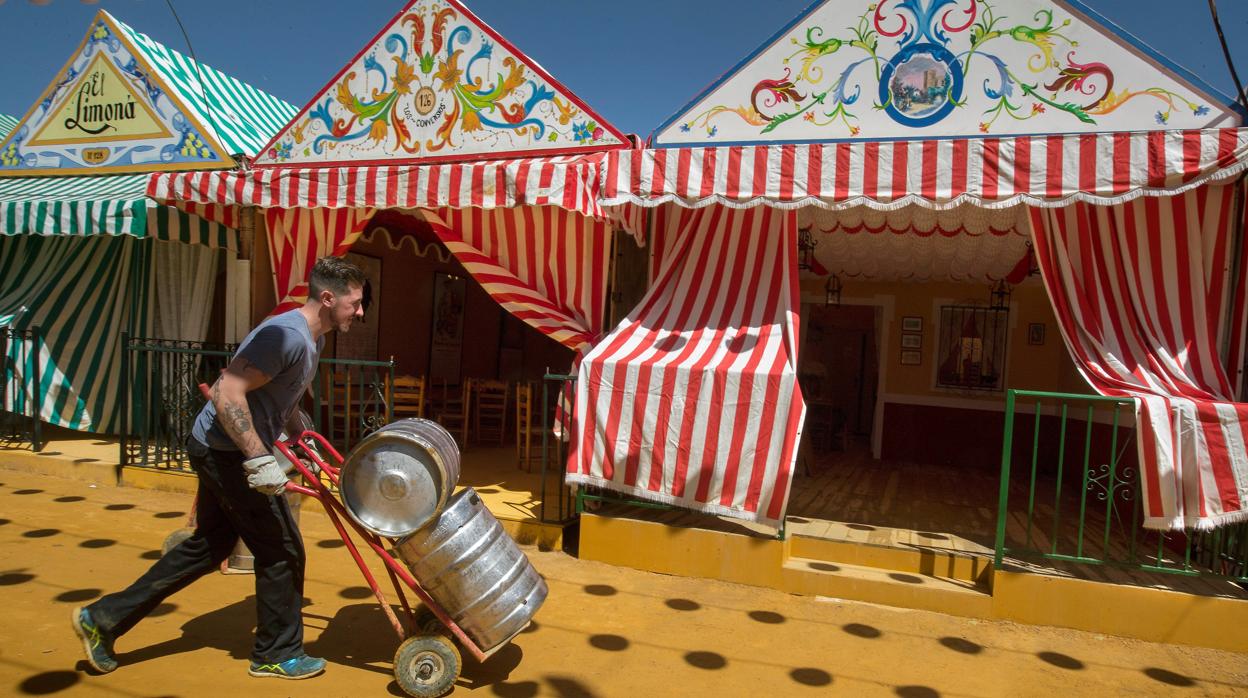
99	647
301	667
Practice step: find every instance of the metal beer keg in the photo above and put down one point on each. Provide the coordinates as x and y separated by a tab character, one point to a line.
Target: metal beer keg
399	477
475	571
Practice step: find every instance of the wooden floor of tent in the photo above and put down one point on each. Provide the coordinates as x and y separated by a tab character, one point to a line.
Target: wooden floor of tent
852	498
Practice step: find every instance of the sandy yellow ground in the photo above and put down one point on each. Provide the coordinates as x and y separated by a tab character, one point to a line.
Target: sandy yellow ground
604	631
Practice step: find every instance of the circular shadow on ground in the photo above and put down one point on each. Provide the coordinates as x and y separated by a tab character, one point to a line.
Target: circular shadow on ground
931	536
907	578
119	507
78	595
767	617
487	490
163	610
610	643
520	689
706	660
5	521
356	593
1169	677
532	627
41	533
69	498
916	692
863	631
811	677
27	491
15	578
170	514
823	566
1060	660
600	590
331	543
958	644
97	543
682	604
151	555
48	682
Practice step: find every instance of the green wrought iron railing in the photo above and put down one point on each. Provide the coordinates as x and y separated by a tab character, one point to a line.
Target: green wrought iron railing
21	401
1071	494
160	398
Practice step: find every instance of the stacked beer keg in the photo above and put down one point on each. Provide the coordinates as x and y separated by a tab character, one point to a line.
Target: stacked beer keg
399	483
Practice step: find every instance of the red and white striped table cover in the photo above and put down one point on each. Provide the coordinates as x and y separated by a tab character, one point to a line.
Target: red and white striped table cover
1049	171
693	400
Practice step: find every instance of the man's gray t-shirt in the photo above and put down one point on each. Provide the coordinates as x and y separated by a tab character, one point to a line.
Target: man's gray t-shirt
283	349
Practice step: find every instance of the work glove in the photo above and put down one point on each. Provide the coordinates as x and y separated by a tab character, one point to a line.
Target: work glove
264	475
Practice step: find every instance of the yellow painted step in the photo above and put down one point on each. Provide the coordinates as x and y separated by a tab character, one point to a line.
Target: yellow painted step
908	558
873	585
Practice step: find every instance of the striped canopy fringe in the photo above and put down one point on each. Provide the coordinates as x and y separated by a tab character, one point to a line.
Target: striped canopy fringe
693	400
1141	291
108	205
570	182
1044	171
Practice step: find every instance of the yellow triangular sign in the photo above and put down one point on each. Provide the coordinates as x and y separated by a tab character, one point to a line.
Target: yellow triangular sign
101	106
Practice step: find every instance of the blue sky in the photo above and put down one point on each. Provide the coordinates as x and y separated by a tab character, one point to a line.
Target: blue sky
635	62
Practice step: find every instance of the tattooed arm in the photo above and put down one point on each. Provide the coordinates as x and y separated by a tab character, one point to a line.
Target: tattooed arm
229	396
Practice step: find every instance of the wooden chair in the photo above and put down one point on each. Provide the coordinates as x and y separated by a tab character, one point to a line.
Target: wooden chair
489	410
407	397
528	425
338	404
452	411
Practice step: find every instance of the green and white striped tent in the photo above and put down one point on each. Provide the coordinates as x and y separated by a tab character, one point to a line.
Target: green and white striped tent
81	256
6	125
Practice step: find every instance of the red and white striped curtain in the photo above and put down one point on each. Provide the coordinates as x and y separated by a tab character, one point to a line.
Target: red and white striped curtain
1141	291
693	400
300	236
546	265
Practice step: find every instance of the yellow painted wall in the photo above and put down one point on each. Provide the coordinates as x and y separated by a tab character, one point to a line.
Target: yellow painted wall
1045	367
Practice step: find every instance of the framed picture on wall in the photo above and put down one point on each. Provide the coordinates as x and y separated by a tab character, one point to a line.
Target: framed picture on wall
446	333
361	342
1035	334
911	358
911	341
912	323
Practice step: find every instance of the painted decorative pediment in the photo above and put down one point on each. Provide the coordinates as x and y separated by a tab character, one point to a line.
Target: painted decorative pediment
853	69
108	111
438	84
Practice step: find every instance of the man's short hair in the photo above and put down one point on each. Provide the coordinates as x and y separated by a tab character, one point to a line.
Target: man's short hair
334	274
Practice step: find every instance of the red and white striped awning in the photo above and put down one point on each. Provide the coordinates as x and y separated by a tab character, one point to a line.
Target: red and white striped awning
1048	171
570	182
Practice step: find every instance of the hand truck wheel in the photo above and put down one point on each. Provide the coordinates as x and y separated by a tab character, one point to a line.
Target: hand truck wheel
426	666
175	539
426	622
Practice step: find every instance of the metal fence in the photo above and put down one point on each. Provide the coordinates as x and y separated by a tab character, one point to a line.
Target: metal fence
22	400
161	397
1071	494
557	502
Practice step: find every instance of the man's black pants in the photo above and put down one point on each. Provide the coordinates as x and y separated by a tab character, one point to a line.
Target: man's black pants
227	510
